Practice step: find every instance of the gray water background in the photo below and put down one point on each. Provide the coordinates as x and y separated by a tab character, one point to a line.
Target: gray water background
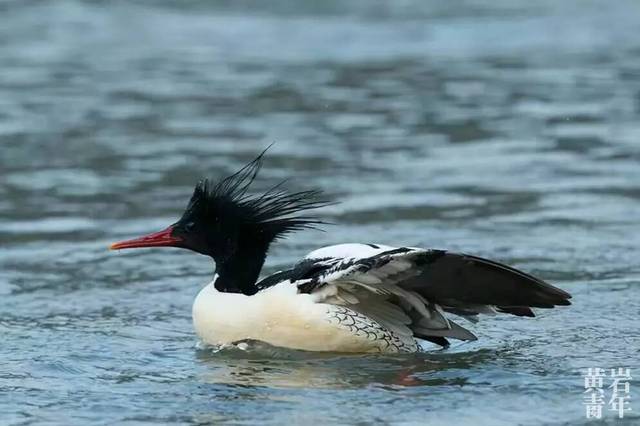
507	129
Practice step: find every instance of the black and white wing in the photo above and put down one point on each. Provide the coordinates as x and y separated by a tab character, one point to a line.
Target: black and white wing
408	290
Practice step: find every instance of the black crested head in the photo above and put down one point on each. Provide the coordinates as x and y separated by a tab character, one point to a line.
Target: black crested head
235	228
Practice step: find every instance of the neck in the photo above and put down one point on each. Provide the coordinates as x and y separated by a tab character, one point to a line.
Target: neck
239	273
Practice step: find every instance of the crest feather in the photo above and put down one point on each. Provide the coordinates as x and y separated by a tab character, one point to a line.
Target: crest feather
276	211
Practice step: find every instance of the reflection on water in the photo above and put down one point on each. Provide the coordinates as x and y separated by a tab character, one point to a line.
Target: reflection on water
506	129
278	368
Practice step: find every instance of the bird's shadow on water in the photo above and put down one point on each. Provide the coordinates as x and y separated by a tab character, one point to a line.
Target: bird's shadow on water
267	366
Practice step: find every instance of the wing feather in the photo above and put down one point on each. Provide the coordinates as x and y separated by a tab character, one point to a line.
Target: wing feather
408	290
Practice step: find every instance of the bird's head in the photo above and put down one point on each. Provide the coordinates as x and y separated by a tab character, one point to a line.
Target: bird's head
233	227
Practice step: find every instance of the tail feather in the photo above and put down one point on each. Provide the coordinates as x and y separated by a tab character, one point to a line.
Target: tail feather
520	311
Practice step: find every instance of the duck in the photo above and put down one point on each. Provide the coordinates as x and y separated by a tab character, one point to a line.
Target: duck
345	298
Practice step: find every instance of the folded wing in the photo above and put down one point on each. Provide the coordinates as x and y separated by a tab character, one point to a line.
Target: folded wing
408	290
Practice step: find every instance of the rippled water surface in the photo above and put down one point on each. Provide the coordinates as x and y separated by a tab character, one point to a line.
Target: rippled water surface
503	129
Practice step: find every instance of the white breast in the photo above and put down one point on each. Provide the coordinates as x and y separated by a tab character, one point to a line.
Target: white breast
280	316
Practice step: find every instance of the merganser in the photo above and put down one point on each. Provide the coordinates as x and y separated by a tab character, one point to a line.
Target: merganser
341	298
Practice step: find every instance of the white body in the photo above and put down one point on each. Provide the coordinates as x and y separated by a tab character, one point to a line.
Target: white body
353	305
280	316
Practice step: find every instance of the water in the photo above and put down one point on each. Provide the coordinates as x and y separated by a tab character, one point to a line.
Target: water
503	129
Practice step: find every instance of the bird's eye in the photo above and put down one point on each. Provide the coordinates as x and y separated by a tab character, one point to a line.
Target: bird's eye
189	226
